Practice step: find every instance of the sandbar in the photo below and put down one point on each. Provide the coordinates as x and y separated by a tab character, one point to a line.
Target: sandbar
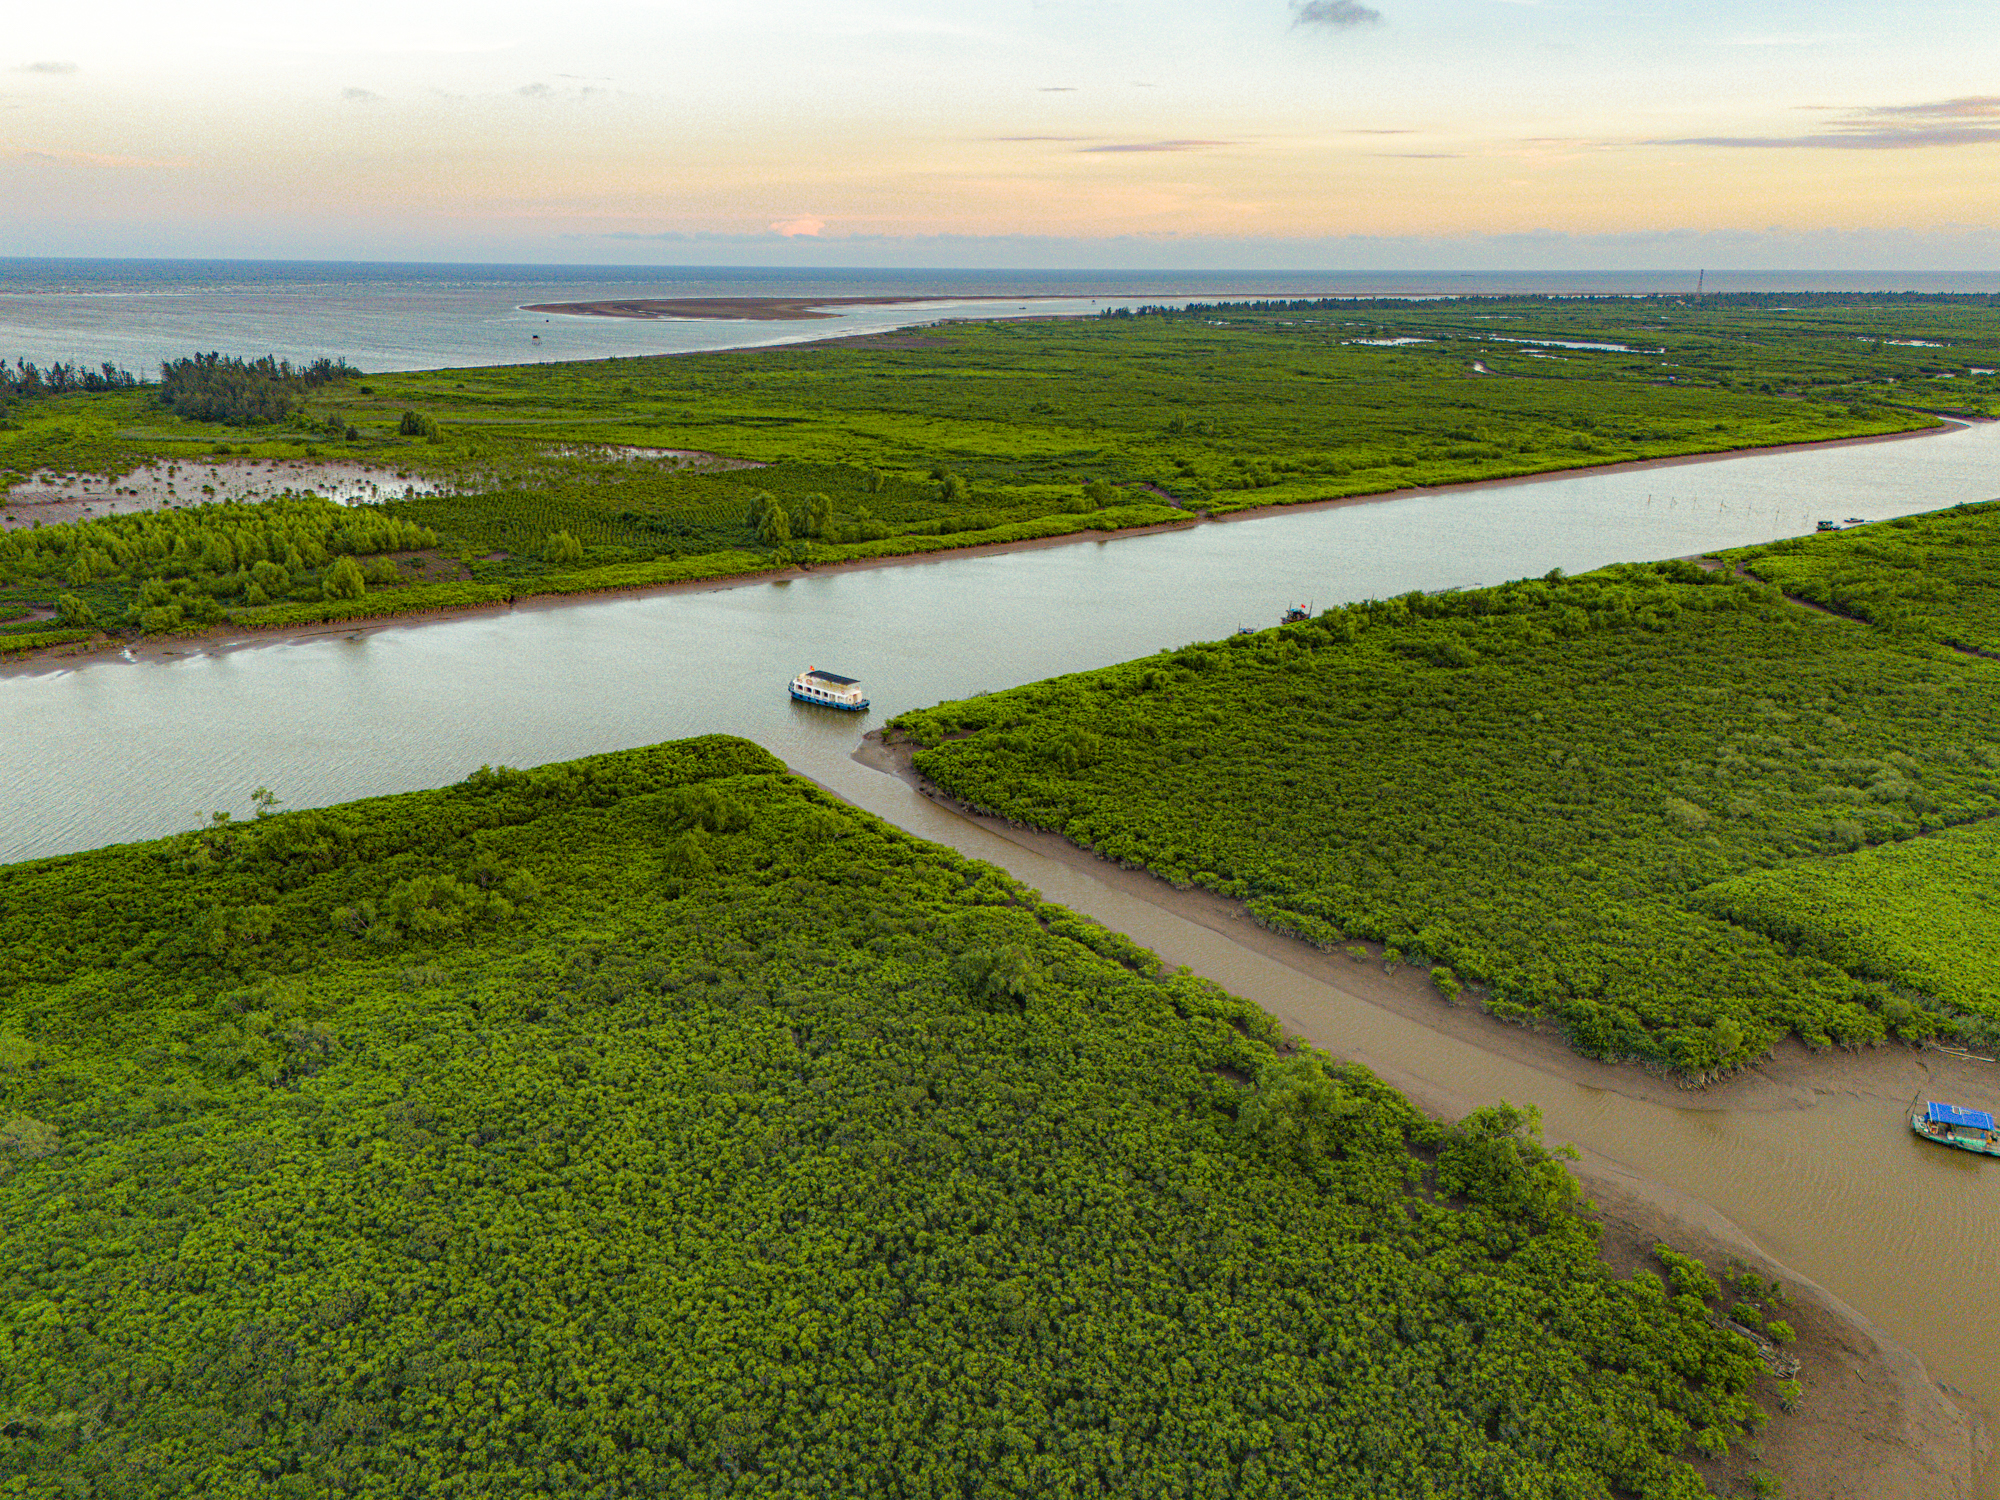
747	309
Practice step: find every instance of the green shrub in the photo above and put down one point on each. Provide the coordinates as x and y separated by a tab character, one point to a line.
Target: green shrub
343	580
831	1116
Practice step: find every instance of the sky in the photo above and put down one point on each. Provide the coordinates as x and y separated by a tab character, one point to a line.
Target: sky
1179	134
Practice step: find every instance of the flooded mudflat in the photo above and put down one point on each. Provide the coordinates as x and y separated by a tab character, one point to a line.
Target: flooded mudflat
45	497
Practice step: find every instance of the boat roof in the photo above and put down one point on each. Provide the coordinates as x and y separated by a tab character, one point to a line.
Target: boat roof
831	677
1951	1114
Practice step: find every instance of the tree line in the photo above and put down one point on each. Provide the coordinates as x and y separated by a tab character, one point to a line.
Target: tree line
24	380
243	392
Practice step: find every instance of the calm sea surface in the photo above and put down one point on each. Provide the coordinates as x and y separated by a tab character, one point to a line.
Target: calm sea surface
413	317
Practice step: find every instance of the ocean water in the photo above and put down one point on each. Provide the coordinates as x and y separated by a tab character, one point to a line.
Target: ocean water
387	316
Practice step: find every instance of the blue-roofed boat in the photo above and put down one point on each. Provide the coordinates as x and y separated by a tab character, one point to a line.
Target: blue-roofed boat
1955	1125
828	690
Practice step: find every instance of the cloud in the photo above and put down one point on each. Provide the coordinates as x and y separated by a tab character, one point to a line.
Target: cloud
805	224
47	67
1071	138
1968	121
1976	107
1421	155
1879	140
1545	261
359	96
1061	88
1339	14
1159	146
568	92
94	159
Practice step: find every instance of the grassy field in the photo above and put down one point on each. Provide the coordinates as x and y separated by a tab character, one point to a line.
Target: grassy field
1533	788
656	1125
1007	431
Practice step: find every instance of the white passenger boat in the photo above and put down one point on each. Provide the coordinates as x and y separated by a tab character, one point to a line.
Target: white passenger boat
829	690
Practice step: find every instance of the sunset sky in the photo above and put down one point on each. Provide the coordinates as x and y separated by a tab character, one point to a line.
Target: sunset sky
1183	133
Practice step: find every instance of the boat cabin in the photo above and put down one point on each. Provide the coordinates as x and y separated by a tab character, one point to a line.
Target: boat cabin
830	688
1954	1125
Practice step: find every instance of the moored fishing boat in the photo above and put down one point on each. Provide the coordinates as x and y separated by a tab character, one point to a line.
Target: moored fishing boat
1954	1125
829	690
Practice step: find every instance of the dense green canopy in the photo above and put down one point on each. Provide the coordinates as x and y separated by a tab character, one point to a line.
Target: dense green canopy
1530	786
656	1125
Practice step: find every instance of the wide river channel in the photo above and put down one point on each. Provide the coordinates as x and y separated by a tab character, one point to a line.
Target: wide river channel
1832	1185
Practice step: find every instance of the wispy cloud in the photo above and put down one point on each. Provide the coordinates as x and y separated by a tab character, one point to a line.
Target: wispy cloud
1973	107
805	225
1968	121
1420	155
568	92
1060	88
1336	14
359	96
47	67
1065	138
96	159
1794	39
1158	146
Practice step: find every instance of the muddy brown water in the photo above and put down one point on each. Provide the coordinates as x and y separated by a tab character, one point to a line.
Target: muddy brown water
1813	1162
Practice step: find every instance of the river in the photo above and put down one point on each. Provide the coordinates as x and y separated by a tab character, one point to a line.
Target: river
1832	1185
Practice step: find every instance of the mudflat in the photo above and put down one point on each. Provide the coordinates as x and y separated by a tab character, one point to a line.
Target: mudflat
746	309
1874	1420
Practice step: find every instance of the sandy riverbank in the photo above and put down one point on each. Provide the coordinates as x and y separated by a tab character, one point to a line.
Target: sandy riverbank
1587	471
1874	1422
1792	1078
225	638
230	638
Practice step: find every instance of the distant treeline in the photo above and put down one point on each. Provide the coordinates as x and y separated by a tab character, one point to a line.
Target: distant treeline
242	392
25	379
1741	301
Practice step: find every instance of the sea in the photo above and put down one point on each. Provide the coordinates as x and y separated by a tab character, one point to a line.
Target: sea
385	316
